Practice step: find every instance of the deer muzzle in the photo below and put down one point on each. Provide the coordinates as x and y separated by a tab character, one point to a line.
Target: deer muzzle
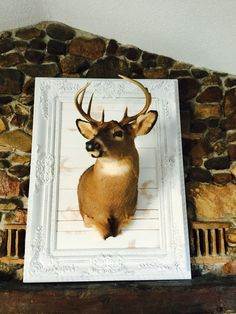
94	148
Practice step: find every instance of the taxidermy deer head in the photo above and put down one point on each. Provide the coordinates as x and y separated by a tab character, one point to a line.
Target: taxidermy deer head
107	191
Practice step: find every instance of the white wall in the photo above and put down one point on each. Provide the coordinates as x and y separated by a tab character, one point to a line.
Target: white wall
202	32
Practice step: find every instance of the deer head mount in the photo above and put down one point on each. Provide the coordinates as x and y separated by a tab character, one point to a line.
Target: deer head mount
107	191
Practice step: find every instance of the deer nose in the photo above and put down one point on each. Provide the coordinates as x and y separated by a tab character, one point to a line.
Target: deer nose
92	145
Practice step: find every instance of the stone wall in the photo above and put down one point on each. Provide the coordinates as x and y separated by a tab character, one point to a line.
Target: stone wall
208	117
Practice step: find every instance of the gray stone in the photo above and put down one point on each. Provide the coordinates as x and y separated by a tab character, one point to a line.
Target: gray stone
230	82
218	163
37	43
6	34
198	126
112	47
199	73
230	102
11	59
130	53
199	175
212	80
60	31
9	186
185	117
34	56
18	120
21	45
179	73
149	56
88	48
229	124
222	178
16	139
188	88
57	47
11	81
19	171
24	187
109	67
74	64
29	33
214	135
6	45
28	87
210	94
232	151
51	58
4	164
136	69
40	70
6	110
5	100
207	110
165	62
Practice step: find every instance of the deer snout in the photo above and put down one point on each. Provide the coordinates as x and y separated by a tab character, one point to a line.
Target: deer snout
92	145
94	148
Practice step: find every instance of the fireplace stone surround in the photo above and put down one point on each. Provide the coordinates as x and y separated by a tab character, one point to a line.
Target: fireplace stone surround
208	122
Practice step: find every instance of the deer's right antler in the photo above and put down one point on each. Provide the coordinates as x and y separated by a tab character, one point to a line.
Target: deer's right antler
126	119
79	103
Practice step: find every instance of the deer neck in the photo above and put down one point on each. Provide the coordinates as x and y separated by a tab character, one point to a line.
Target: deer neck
112	167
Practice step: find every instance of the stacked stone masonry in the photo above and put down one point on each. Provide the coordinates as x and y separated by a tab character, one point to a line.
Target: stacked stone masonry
208	118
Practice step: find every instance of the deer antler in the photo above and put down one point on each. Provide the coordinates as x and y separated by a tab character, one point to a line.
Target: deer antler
126	119
79	103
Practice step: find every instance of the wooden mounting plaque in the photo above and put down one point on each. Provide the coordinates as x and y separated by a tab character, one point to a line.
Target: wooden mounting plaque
58	245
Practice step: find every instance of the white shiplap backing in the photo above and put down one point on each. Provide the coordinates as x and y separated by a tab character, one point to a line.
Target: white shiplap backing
144	230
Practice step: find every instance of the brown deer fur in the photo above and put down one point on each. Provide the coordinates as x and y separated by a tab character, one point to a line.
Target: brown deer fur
107	191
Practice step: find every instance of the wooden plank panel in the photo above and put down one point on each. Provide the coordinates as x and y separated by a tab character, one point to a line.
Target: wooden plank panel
70	179
71	137
67	215
92	240
72	158
147	199
135	224
114	108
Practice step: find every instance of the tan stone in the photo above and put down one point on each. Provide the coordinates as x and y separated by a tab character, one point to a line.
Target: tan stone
229	268
88	48
192	136
2	126
16	139
8	206
18	216
231	236
215	202
182	66
158	73
204	111
18	159
233	169
9	186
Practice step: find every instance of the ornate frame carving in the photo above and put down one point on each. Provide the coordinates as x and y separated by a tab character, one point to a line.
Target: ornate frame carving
43	262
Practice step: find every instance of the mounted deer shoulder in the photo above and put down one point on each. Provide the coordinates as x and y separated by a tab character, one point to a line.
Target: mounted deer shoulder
107	191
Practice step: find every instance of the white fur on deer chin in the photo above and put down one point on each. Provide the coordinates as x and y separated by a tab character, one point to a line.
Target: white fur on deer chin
111	167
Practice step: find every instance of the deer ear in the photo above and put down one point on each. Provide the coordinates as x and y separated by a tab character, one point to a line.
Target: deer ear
144	123
85	129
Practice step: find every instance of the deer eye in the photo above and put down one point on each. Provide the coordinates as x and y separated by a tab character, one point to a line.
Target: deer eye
118	134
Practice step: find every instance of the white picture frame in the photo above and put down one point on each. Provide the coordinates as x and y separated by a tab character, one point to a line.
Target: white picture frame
56	251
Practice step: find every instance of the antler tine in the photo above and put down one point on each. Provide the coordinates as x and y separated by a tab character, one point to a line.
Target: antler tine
126	119
103	116
90	105
78	104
